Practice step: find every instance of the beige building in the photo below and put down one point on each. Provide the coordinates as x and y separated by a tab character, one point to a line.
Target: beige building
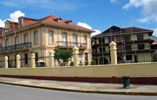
41	36
133	45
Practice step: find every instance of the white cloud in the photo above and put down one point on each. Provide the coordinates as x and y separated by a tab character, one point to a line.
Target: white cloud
149	11
88	27
1	23
135	3
95	33
84	25
13	17
155	32
143	20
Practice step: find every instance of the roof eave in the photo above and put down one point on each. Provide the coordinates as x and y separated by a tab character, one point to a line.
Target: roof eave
125	34
40	23
68	27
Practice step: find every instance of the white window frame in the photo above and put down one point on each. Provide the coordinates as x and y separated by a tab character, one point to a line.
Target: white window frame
7	43
64	39
17	40
50	36
85	40
26	38
75	39
36	38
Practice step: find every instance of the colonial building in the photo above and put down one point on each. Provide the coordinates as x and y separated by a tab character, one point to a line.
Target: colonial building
154	44
42	35
133	45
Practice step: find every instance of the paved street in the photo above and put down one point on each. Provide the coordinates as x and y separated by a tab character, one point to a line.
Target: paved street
82	85
12	92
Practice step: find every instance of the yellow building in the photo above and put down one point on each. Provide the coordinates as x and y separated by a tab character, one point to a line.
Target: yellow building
133	45
42	35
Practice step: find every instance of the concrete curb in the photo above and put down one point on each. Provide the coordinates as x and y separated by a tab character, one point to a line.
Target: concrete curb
86	91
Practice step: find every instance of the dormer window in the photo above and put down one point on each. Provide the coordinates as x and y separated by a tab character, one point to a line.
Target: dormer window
20	22
58	19
7	24
68	22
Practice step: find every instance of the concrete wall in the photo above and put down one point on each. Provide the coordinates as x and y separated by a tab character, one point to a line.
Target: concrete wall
119	70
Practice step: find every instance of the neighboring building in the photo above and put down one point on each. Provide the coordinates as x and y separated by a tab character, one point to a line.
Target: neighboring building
133	45
42	35
154	47
154	44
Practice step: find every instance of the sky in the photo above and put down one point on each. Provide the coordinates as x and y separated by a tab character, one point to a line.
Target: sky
97	15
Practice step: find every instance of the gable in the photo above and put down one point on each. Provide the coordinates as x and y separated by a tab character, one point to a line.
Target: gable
113	29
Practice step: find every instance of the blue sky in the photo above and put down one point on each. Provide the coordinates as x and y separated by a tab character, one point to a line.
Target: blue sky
94	14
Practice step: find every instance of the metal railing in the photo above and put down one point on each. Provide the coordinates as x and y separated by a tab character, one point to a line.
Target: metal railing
63	44
21	46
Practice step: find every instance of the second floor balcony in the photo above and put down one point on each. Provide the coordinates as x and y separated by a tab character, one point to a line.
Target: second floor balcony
16	47
126	50
126	42
62	44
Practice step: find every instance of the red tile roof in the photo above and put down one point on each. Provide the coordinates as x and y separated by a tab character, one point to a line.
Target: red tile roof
154	43
13	25
29	21
48	19
51	20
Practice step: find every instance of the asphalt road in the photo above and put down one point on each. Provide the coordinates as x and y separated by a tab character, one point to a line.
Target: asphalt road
12	92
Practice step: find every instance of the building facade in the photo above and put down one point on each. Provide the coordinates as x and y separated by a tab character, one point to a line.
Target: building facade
41	36
133	45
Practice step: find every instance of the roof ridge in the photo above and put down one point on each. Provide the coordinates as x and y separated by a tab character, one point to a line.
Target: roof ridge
139	28
154	36
31	18
46	17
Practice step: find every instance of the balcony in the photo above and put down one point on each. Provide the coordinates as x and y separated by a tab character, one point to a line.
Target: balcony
130	50
22	46
96	53
126	42
62	44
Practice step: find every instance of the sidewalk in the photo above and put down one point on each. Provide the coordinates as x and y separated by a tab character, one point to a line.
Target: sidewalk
135	89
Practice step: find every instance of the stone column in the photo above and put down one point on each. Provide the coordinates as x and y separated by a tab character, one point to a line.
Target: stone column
113	52
18	61
6	61
51	58
33	60
75	55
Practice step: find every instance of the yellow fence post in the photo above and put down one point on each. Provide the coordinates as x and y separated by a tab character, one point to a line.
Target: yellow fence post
51	58
113	52
75	55
6	61
33	60
18	61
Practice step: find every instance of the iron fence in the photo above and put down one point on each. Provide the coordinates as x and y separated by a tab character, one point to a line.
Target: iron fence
63	60
42	61
2	65
25	62
11	63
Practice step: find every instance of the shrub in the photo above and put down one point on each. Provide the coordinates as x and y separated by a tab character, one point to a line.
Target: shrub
72	64
92	62
86	63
